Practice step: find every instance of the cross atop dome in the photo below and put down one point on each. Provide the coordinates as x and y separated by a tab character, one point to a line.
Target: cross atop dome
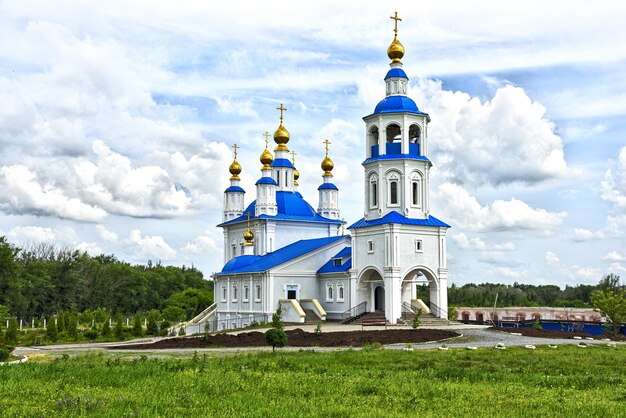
395	52
281	136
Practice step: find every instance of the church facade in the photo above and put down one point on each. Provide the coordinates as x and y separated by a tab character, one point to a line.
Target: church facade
279	250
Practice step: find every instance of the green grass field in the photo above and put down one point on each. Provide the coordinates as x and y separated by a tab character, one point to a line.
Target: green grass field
567	381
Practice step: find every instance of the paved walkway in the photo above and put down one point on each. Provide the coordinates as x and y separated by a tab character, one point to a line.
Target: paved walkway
473	335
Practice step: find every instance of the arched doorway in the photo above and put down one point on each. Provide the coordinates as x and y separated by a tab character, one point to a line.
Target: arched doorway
422	277
379	298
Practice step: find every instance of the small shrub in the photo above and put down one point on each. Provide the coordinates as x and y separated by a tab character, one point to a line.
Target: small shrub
416	320
119	328
276	338
137	329
106	328
163	328
276	318
453	314
318	329
181	332
4	354
11	334
91	334
537	324
51	330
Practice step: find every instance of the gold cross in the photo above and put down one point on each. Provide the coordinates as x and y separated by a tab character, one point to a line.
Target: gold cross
235	146
293	157
396	18
326	141
248	213
266	135
282	109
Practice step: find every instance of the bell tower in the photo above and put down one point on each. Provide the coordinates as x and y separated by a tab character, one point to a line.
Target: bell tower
396	168
398	243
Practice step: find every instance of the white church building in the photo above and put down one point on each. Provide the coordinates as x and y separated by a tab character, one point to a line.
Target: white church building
280	250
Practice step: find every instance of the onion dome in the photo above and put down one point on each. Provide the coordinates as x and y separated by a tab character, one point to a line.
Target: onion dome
235	167
266	156
296	176
395	51
327	163
281	135
248	236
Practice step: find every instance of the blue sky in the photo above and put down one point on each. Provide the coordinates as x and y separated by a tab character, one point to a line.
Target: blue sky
117	122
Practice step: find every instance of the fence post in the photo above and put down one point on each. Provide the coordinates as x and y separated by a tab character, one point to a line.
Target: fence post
126	321
44	322
21	324
33	324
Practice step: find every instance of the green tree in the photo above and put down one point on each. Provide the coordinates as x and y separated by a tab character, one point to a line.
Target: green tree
119	328
51	330
276	336
106	328
153	322
72	326
11	335
612	304
137	330
417	319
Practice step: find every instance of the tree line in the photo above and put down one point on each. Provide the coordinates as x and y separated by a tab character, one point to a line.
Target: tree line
518	294
42	280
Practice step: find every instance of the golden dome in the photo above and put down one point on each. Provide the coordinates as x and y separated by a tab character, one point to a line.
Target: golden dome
235	170
327	166
296	176
281	137
395	52
266	159
248	236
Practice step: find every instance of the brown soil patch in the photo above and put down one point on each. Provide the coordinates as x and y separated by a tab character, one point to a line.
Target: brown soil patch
300	338
543	333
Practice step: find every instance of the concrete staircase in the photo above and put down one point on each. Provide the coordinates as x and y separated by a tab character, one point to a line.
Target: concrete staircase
372	318
426	320
310	317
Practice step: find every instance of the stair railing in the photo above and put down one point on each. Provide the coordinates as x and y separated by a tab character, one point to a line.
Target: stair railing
437	311
357	310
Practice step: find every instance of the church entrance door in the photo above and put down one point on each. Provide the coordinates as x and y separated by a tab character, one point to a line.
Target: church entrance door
379	298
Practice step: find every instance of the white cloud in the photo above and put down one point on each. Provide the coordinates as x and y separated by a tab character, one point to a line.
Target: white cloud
146	247
22	191
90	248
614	256
502	141
552	259
105	234
31	234
582	234
203	244
614	184
464	210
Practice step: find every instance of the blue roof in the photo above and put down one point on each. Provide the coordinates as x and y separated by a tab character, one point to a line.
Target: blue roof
396	72
327	186
282	162
234	189
397	104
291	206
256	264
330	266
267	180
394	217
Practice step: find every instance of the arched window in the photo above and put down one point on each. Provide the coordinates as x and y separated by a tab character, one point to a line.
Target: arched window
414	134
329	292
373	192
393	192
234	293
414	190
278	178
340	292
224	293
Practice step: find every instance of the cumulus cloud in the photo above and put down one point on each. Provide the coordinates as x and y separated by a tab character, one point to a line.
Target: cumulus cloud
582	234
464	210
614	256
203	244
22	192
147	247
552	258
105	234
502	141
27	234
614	184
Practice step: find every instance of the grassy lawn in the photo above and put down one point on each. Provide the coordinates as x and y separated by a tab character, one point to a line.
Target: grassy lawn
567	381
